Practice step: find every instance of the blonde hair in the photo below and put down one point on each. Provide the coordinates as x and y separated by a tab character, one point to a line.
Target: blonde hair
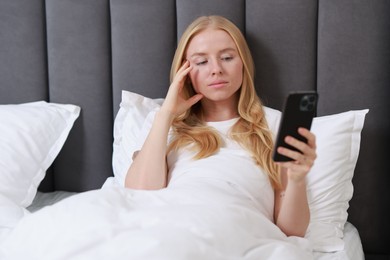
250	131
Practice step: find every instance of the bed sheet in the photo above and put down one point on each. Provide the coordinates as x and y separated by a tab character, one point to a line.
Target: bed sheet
353	248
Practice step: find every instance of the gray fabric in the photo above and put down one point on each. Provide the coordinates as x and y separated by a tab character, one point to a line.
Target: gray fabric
353	73
282	36
187	11
23	51
143	44
78	39
85	52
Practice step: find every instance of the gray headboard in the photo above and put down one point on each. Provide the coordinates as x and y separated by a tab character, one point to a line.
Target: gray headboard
85	52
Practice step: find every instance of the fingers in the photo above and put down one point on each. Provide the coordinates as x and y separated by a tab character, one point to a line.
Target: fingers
183	72
307	150
179	79
175	101
304	158
194	99
310	137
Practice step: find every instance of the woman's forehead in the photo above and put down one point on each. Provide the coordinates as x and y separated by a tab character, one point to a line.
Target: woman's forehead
210	40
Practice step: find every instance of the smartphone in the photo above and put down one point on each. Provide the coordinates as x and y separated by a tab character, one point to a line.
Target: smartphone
299	111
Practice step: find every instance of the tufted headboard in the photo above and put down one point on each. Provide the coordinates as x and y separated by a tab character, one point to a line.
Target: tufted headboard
85	52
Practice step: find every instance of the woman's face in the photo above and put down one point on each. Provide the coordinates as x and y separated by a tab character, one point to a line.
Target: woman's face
217	67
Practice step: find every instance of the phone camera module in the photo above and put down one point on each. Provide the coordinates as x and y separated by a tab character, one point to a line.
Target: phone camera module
307	103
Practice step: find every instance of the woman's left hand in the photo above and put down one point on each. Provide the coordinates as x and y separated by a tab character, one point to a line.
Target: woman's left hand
302	162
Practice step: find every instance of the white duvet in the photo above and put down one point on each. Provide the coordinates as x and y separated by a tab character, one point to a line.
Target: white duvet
215	208
115	223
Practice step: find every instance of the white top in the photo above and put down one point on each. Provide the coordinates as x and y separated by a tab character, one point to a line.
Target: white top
229	176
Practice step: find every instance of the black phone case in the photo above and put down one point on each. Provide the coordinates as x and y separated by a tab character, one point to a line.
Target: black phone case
299	110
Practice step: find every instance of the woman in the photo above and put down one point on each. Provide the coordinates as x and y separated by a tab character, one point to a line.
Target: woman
210	148
212	88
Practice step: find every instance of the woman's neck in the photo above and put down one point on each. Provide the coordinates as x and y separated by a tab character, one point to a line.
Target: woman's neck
214	112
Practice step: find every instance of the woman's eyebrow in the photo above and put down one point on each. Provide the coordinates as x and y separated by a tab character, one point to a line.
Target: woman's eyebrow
221	51
228	49
198	54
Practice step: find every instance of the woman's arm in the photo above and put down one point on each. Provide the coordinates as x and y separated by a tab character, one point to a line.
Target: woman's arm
149	168
292	213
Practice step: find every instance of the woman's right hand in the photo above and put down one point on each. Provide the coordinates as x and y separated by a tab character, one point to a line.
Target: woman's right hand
175	103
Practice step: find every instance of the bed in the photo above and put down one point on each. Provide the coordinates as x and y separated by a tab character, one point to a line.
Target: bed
78	80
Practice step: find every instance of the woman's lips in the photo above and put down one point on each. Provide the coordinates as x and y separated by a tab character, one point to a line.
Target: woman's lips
218	84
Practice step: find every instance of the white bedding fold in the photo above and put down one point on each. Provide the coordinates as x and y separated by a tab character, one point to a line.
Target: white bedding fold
119	223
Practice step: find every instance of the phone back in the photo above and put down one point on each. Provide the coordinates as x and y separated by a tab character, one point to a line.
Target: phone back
299	110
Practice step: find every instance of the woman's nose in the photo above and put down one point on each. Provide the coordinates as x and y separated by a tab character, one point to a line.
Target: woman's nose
216	68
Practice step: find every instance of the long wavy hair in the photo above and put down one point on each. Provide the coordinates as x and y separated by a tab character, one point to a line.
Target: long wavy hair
250	131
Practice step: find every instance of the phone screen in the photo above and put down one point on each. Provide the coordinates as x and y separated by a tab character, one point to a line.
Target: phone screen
299	111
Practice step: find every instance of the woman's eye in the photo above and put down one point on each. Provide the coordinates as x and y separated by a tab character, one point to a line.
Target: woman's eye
201	62
227	58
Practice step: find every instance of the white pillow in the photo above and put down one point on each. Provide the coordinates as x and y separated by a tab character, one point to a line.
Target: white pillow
128	123
32	135
329	183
